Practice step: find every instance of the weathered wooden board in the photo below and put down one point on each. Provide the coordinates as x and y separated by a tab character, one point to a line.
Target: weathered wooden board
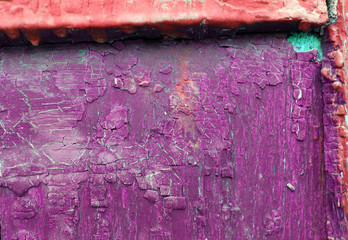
165	15
212	139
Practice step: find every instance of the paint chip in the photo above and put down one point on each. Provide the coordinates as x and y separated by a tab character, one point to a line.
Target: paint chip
291	187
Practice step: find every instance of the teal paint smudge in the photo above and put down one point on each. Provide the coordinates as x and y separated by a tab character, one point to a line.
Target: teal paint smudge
303	42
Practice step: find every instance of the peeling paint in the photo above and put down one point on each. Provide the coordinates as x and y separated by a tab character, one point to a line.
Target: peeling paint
303	42
213	139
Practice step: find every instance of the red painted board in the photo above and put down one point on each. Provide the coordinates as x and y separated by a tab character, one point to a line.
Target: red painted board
165	15
337	74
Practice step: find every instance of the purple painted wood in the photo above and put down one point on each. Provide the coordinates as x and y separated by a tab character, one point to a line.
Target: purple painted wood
213	139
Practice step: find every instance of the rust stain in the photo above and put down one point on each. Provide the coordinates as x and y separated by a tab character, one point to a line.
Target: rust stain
184	81
184	91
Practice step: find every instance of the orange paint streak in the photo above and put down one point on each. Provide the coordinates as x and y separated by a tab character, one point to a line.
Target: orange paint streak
184	80
185	93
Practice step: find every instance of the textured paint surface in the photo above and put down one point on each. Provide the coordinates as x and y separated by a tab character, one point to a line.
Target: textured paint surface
212	139
304	42
335	73
166	15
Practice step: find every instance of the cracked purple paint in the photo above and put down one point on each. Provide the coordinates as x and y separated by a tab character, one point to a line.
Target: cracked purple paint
213	139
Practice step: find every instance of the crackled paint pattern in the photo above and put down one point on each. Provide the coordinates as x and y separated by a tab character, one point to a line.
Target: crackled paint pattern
335	75
334	118
213	139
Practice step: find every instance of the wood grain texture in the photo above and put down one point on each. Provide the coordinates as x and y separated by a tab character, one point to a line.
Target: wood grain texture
212	139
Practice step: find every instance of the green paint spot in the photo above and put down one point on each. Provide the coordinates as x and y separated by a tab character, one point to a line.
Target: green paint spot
303	42
346	116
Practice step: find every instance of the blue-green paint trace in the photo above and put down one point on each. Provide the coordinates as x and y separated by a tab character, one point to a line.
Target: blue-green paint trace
303	42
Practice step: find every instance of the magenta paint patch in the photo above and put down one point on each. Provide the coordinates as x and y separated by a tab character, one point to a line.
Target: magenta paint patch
213	139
